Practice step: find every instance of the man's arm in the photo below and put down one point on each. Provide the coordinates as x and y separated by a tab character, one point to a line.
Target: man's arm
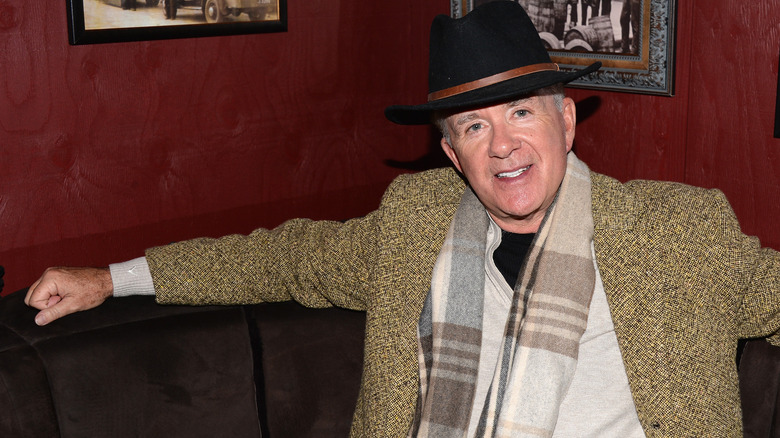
292	261
267	265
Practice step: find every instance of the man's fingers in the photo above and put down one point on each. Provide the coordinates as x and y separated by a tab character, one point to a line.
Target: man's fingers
54	299
28	298
59	307
39	294
46	316
30	290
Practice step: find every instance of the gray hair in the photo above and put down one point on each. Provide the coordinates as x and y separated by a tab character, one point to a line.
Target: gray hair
555	90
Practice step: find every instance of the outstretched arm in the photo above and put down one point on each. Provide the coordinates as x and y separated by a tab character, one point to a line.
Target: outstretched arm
62	291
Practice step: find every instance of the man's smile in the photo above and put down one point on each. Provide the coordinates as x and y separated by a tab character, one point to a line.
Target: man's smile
514	173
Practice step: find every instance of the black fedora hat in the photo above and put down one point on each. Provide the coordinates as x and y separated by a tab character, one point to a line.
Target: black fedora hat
493	53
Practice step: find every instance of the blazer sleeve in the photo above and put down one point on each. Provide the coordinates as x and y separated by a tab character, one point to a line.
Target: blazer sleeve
317	263
754	270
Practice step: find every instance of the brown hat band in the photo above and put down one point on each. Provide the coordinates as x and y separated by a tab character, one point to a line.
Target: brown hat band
490	80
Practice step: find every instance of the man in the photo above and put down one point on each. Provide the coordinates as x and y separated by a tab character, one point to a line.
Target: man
537	299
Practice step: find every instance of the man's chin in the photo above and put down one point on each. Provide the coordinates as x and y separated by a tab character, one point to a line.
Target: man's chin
520	221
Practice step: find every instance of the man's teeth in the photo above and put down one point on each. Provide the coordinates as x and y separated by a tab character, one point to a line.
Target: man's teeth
513	174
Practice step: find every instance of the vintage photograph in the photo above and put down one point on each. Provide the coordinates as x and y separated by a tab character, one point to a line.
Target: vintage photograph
99	21
634	39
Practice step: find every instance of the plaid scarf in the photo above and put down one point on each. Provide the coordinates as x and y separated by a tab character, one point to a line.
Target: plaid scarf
548	315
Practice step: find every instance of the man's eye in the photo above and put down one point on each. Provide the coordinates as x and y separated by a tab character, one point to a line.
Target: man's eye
474	127
521	113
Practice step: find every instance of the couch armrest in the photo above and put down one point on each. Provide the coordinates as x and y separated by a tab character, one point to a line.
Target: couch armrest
27	407
759	384
128	368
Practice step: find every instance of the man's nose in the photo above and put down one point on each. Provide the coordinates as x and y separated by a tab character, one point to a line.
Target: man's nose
502	142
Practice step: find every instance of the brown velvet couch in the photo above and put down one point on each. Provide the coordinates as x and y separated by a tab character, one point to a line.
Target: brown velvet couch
132	368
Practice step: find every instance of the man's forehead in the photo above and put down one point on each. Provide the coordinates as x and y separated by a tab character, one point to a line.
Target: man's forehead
472	113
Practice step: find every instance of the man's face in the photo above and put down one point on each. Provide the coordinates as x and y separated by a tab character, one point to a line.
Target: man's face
514	156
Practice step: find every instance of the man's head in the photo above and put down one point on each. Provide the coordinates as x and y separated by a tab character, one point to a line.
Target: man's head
513	154
498	99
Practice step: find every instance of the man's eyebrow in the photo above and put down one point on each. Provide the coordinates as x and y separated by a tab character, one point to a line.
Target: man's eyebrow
518	101
465	118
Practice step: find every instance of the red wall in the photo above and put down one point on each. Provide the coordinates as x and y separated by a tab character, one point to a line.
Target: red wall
108	149
717	129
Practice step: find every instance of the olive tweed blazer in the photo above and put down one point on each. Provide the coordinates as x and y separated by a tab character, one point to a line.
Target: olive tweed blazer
683	285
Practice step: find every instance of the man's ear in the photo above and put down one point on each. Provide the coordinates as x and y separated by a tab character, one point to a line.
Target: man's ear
450	152
569	121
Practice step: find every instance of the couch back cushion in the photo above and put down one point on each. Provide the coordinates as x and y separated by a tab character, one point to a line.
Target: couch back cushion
308	368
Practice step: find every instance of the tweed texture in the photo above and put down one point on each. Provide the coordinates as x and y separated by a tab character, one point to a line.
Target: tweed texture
683	284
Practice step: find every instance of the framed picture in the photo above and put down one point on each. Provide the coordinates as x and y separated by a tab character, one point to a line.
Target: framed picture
634	40
108	21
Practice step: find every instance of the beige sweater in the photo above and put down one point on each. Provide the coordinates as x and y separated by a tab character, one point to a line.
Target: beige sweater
683	284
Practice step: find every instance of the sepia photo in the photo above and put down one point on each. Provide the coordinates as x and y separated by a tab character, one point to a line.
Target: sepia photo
101	21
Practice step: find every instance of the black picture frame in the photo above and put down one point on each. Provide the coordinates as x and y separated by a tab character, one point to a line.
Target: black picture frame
138	22
647	68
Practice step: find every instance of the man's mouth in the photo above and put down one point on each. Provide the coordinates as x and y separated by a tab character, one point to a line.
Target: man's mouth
513	174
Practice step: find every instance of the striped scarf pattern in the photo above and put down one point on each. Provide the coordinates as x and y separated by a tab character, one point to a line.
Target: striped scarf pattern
548	316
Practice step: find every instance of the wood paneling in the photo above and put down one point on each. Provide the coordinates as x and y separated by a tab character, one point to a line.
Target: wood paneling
733	79
100	141
716	132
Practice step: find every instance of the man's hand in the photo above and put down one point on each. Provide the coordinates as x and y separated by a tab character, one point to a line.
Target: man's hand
62	291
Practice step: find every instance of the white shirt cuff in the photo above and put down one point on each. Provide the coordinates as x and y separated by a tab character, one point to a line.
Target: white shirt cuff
131	278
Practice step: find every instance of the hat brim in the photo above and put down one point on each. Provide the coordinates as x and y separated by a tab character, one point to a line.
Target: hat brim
502	91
